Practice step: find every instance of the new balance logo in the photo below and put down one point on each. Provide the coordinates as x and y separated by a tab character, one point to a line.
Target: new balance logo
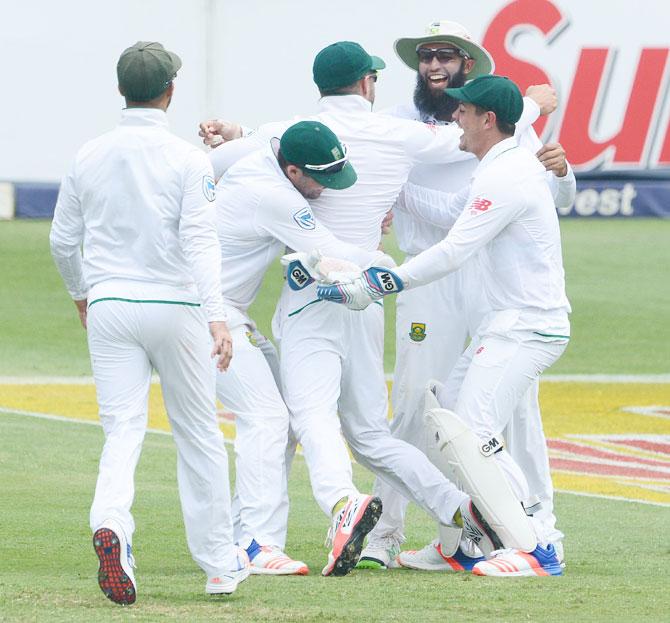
479	205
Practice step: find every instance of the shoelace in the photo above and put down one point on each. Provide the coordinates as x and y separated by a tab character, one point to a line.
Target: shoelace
497	552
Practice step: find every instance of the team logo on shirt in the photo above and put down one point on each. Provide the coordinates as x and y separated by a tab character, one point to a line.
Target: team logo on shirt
208	187
479	205
305	218
417	332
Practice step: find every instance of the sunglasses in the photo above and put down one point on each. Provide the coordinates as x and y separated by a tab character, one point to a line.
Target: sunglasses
330	167
444	55
373	76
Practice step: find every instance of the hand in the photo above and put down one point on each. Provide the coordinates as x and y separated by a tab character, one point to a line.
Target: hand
217	131
552	156
303	268
82	309
359	291
223	344
545	97
386	223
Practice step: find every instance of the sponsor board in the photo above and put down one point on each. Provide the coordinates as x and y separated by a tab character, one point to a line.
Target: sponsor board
605	439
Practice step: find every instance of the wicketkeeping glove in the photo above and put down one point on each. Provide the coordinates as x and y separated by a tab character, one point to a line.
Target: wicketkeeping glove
303	268
357	293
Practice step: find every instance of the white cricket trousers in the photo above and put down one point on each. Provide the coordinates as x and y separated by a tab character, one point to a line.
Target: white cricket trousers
431	331
488	383
452	309
249	389
332	360
126	340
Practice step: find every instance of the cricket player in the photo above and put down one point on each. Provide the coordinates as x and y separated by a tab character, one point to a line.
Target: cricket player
327	351
510	218
146	287
434	321
262	208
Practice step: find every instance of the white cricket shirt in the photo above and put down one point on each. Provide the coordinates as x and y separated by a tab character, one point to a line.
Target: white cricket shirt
139	199
259	213
382	150
415	234
509	215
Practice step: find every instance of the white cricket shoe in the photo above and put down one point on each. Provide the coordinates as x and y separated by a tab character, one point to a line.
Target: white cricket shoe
510	563
271	560
226	582
348	531
431	558
380	553
115	575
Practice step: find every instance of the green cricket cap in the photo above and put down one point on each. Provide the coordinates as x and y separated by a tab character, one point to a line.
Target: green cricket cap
314	148
343	63
145	69
496	93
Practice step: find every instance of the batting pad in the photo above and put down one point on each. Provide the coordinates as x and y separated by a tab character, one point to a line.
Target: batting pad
459	452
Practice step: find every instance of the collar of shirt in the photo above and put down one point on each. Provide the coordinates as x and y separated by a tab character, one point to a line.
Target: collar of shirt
144	116
499	148
347	103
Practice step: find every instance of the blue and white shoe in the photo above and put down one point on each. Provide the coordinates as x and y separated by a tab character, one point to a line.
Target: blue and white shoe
226	582
512	563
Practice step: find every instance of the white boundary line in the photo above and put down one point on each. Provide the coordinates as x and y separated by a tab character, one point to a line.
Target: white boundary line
612	497
72	420
60	418
547	378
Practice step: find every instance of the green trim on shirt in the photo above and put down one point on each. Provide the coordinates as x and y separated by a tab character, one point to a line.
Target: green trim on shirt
565	337
116	298
297	311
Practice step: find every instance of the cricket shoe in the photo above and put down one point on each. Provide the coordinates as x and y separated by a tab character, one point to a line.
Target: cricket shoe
380	553
271	560
431	558
115	575
477	529
347	533
510	563
226	582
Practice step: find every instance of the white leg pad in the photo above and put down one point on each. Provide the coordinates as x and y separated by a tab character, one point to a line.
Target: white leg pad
458	451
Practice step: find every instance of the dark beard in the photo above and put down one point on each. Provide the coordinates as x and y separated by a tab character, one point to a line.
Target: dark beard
438	105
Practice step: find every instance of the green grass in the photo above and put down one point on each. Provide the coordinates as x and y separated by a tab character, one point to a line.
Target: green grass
617	552
617	280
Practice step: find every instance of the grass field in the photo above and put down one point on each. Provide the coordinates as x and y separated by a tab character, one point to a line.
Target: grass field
617	551
617	277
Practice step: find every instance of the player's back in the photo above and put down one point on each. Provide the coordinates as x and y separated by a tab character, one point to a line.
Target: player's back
130	183
382	150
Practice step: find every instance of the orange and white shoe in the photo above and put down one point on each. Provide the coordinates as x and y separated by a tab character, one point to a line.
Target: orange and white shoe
511	563
271	560
348	531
